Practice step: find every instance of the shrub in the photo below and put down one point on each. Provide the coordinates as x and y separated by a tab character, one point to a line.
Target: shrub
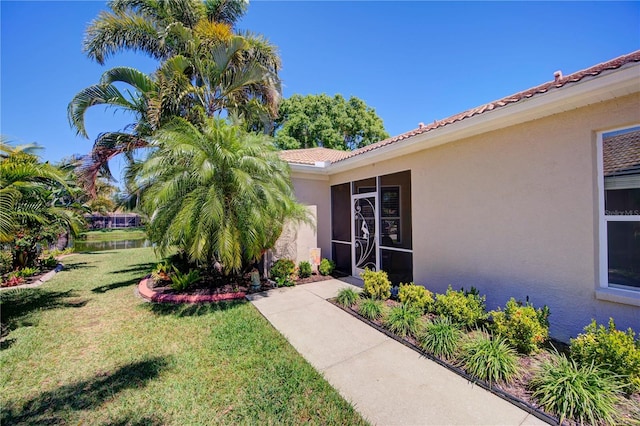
584	393
416	296
181	282
25	272
525	327
490	359
13	281
466	309
6	261
49	262
285	282
282	268
403	320
347	297
304	269
326	267
616	350
371	309
440	337
376	284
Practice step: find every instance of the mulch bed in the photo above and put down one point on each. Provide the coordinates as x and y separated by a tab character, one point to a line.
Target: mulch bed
205	292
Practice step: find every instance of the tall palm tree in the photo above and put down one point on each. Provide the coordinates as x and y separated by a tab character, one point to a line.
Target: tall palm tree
150	26
184	87
218	192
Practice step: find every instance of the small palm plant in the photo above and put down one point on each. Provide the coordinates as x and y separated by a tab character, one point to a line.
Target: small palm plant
181	282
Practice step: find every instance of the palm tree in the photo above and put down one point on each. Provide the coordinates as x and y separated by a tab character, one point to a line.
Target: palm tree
152	26
218	192
28	209
222	84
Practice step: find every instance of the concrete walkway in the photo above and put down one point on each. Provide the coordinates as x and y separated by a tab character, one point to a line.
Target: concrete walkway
387	383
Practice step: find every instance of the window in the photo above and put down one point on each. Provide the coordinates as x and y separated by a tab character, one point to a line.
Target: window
619	185
390	214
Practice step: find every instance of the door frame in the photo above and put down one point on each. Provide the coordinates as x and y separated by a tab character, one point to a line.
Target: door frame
355	270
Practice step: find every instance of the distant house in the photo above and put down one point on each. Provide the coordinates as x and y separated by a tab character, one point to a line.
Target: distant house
535	195
112	220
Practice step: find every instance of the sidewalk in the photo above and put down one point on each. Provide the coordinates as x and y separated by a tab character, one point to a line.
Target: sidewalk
387	383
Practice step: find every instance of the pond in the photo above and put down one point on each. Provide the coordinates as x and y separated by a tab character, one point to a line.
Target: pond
81	246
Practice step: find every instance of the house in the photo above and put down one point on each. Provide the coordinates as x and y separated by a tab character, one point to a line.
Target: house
536	195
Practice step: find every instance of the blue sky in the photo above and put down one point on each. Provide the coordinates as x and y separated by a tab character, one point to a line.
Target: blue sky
411	61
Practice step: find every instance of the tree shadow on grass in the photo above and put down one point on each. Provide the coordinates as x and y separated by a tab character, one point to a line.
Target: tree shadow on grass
141	268
78	265
55	406
113	286
19	308
192	310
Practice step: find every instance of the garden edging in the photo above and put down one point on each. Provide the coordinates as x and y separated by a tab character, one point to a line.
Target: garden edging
37	283
153	296
498	392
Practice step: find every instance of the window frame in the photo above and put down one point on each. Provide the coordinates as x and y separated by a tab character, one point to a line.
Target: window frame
610	291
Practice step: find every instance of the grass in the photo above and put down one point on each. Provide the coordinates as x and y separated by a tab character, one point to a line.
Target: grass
489	358
441	337
114	234
82	349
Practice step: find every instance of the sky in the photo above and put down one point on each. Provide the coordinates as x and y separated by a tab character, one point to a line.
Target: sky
412	62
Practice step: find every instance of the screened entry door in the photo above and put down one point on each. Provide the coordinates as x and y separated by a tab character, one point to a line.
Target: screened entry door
365	235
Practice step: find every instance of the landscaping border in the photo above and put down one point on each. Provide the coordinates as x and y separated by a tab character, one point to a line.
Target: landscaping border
153	296
41	280
498	392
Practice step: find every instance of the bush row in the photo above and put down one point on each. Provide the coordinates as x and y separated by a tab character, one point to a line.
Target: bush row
585	384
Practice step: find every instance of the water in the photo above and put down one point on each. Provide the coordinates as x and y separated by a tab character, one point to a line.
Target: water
81	246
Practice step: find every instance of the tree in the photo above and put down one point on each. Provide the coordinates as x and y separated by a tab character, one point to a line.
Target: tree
219	193
321	121
30	213
190	86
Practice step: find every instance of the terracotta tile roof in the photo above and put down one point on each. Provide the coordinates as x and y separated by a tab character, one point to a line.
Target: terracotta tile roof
312	155
621	153
559	81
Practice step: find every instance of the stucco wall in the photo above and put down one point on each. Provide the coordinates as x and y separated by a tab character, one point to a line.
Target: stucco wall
314	192
514	212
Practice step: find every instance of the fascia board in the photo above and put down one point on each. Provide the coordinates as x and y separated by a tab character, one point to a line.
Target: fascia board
617	83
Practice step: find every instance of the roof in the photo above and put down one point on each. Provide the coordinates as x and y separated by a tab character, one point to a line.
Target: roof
309	156
621	153
313	155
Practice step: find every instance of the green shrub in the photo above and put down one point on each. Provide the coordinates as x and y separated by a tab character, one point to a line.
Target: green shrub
403	320
440	337
326	267
181	282
466	309
285	282
347	297
489	359
583	393
371	309
304	269
49	262
6	261
525	327
282	268
416	296
616	350
376	284
25	272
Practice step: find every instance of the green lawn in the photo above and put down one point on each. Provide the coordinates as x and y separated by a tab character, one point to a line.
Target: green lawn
115	234
82	349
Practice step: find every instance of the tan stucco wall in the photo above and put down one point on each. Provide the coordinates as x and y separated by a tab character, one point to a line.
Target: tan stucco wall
314	192
514	213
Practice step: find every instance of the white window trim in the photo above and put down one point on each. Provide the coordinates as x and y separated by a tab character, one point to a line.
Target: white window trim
605	290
